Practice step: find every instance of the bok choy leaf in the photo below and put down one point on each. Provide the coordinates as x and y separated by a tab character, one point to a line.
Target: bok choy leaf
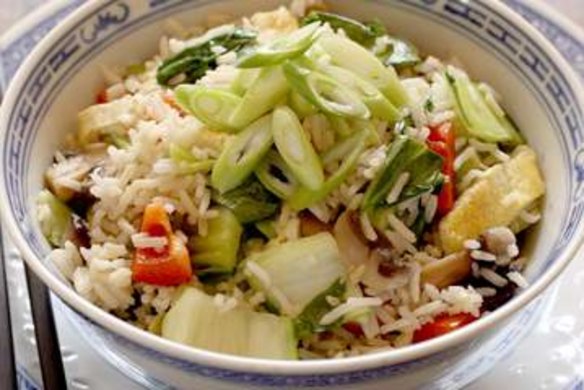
410	157
193	62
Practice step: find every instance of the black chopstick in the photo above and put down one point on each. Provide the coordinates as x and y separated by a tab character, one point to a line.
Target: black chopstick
48	347
7	362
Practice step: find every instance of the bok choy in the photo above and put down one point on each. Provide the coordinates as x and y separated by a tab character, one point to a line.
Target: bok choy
362	33
477	116
194	61
293	274
410	157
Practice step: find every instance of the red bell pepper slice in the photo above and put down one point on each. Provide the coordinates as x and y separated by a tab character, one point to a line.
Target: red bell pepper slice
167	266
101	97
442	324
442	141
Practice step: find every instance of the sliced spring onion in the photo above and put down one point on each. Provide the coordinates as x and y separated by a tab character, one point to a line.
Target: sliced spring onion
379	106
296	149
325	92
352	56
213	107
304	197
275	175
242	154
300	105
244	80
405	155
266	92
281	49
477	117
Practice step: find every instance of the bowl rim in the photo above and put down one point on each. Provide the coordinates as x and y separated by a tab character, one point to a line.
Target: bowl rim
262	366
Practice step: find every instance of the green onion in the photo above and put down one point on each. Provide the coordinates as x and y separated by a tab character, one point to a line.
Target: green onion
300	105
266	92
354	145
296	149
282	49
242	154
405	155
275	175
213	107
379	106
352	56
325	92
244	80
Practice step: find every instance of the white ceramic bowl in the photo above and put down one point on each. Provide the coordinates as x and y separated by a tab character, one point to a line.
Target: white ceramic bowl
62	75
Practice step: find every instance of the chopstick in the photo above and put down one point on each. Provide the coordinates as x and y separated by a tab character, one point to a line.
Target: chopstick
48	347
7	362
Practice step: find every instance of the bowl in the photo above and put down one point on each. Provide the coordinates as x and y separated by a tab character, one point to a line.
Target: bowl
62	75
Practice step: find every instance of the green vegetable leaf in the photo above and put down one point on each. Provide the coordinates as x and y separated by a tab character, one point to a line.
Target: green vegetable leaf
400	53
362	33
193	62
249	202
307	323
217	251
55	218
410	156
477	117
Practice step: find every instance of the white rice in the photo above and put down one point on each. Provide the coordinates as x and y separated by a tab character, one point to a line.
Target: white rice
518	279
431	208
478	254
396	190
366	227
350	305
143	240
472	244
399	227
493	277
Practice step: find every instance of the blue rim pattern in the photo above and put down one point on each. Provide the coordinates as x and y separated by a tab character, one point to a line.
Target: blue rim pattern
462	14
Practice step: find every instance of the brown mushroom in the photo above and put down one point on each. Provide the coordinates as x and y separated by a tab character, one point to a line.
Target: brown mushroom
447	271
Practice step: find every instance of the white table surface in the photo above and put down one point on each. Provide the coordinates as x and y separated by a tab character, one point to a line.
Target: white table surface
13	10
